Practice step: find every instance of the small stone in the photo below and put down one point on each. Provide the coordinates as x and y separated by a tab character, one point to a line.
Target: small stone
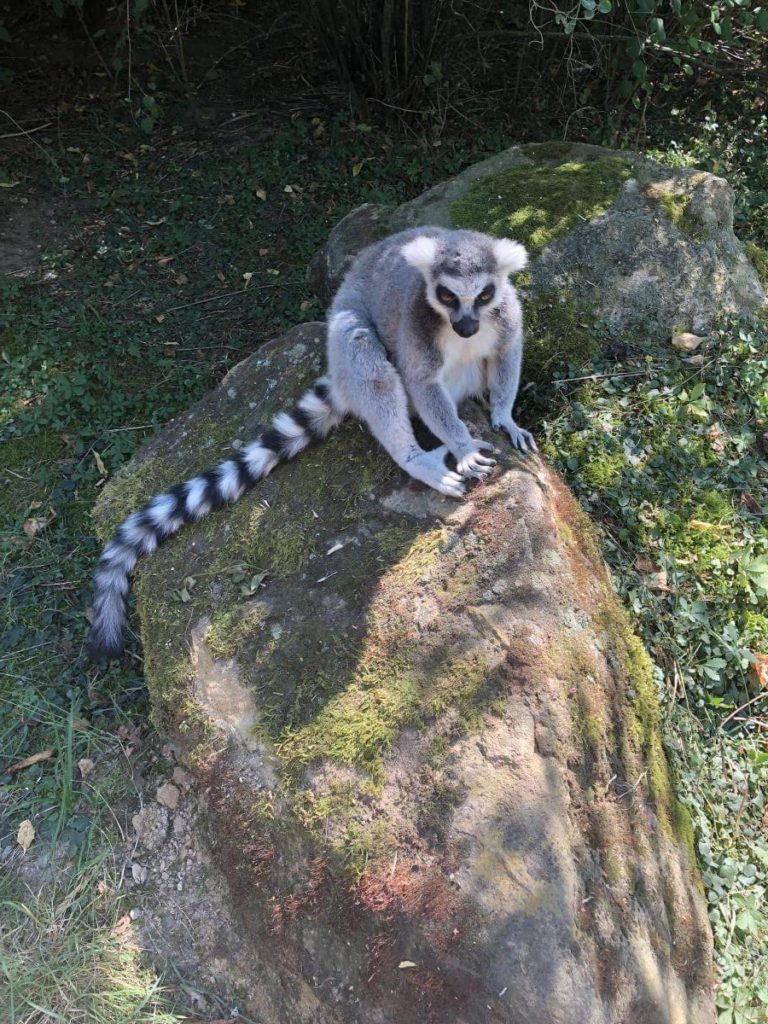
686	341
168	796
181	778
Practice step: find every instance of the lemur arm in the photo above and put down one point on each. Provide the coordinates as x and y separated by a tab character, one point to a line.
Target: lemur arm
438	411
503	382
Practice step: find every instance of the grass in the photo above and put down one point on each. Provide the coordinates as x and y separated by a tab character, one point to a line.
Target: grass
67	955
186	251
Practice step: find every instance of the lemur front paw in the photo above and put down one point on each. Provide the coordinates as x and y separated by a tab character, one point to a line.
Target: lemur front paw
430	468
521	439
476	465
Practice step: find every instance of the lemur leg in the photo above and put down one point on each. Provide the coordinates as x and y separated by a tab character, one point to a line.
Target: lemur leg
503	382
438	410
366	384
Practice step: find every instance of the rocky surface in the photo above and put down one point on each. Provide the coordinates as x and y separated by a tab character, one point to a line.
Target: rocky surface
424	740
644	246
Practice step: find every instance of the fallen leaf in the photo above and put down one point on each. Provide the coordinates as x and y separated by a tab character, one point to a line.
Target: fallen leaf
305	304
758	670
162	260
122	925
406	963
139	873
99	463
168	796
263	252
86	766
700	524
181	279
33	525
686	341
657	581
697	360
43	755
25	835
261	194
646	565
750	502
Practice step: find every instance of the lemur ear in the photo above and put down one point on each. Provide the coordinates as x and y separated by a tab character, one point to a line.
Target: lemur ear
420	252
510	256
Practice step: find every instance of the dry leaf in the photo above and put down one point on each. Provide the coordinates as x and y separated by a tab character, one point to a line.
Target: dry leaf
25	835
122	925
686	341
758	670
700	524
697	360
86	766
261	194
162	260
33	526
99	463
43	755
305	304
657	581
263	252
168	796
181	278
139	873
750	502
406	963
646	565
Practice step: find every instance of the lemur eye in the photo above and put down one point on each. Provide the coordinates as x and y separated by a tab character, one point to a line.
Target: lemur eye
486	294
445	295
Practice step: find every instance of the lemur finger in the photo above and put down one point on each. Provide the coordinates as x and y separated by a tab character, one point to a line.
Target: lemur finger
475	465
484	446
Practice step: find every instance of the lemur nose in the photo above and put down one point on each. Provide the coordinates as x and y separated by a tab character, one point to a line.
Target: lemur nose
466	326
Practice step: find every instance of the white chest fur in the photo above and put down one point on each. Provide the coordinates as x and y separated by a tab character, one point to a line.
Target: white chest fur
463	372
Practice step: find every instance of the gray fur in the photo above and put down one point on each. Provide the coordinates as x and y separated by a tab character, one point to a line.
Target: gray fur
393	349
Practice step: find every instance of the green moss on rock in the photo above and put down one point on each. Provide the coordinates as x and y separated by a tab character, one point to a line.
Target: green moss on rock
559	332
759	259
538	204
676	207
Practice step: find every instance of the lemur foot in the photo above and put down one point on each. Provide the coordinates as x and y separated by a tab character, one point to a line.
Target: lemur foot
521	439
430	468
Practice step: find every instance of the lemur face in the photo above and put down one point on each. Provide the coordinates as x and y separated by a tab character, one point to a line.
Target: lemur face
464	301
464	285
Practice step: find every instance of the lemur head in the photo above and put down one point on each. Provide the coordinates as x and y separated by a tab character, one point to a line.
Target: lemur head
465	273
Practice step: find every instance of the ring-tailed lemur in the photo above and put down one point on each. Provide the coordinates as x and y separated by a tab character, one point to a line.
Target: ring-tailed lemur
422	320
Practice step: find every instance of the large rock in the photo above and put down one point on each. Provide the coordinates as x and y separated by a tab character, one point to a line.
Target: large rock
427	740
646	247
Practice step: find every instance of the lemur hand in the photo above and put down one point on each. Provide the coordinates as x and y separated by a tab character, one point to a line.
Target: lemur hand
430	468
520	438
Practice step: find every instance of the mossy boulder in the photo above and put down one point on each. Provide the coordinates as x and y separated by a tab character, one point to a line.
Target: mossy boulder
426	738
642	246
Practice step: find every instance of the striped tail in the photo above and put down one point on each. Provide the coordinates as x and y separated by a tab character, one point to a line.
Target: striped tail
310	420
